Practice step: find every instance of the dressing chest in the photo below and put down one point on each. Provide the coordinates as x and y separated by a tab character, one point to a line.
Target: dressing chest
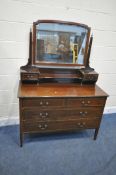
57	90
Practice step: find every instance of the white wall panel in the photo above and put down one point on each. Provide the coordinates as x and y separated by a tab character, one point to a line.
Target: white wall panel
111	101
111	90
96	20
104	66
16	17
104	38
28	12
107	79
12	49
9	110
8	82
13	31
103	6
103	53
11	66
8	97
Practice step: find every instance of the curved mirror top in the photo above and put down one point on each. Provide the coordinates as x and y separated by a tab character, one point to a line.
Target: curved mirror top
60	43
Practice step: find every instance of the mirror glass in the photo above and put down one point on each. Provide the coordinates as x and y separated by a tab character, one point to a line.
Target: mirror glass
60	43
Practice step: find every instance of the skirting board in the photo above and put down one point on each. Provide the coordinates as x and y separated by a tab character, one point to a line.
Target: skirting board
9	121
110	110
15	120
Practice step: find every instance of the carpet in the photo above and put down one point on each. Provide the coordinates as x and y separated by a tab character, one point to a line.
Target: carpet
60	154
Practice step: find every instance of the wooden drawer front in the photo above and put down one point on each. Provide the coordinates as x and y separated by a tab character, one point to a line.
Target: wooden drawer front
67	114
43	115
42	102
60	125
90	112
77	102
29	76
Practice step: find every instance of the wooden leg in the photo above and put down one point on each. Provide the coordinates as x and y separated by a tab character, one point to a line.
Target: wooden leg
96	133
21	139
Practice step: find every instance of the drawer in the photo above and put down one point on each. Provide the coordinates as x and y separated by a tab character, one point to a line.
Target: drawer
77	102
29	76
65	114
43	115
42	102
60	125
85	112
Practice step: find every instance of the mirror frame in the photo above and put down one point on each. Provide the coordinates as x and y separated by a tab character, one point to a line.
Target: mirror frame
46	64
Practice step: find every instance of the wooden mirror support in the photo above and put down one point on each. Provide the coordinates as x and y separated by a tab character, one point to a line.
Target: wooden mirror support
59	52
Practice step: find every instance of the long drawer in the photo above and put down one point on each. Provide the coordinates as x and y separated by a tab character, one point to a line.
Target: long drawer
59	125
63	102
61	114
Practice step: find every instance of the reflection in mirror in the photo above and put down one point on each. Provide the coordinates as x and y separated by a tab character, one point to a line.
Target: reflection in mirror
60	43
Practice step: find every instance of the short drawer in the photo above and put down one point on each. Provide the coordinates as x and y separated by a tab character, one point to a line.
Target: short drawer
60	125
77	102
29	76
61	114
85	112
42	102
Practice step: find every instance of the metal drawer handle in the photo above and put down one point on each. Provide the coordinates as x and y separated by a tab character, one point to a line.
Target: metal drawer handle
44	126
83	113
41	114
83	102
47	103
86	103
41	102
81	124
30	76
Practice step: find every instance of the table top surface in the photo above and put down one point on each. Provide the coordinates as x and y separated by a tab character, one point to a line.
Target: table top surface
59	90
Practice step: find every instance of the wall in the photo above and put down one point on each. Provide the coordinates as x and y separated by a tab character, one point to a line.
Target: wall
16	17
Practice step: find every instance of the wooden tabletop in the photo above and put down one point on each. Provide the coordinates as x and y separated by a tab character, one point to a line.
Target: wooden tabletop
59	90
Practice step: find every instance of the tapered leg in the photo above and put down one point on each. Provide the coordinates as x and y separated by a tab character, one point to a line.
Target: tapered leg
21	139
20	125
96	133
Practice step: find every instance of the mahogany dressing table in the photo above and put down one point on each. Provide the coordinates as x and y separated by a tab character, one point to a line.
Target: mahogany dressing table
57	90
